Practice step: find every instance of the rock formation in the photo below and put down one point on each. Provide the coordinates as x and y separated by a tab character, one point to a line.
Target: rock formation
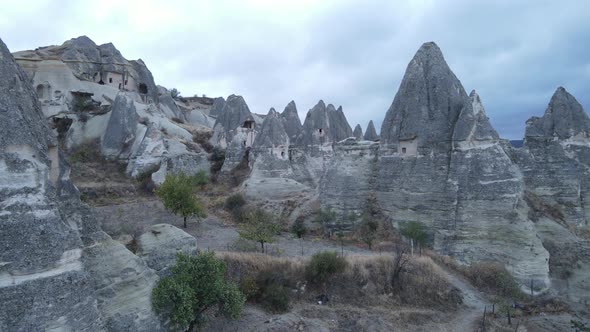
358	132
291	121
58	270
158	246
121	129
371	133
555	165
324	125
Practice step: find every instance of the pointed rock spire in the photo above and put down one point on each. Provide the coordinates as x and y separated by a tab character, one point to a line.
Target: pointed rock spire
217	107
272	133
428	102
358	132
564	118
371	133
291	121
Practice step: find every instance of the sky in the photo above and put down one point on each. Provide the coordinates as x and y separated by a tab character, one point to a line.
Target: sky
351	53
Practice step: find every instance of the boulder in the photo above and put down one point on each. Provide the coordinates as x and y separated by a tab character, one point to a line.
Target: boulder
160	244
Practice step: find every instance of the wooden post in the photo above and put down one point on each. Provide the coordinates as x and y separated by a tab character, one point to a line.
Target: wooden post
509	321
493	308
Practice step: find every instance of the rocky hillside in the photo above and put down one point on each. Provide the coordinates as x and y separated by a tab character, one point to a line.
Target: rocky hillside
437	161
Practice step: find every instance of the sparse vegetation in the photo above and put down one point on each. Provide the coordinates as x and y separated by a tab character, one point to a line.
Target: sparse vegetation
217	158
196	284
259	226
174	93
416	232
178	196
368	230
325	217
234	204
86	152
322	266
299	228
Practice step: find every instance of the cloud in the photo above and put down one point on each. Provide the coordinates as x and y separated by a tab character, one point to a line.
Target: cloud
349	53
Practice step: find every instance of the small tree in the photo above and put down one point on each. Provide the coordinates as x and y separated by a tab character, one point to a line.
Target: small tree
178	197
195	285
174	93
368	230
325	217
300	230
416	232
258	226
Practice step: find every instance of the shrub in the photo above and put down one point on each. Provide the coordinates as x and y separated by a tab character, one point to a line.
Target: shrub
494	278
299	228
249	287
243	245
368	230
86	152
234	204
200	179
275	298
416	232
174	93
196	283
177	196
323	265
273	294
217	158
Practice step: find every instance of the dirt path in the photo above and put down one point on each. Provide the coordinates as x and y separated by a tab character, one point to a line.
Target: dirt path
470	315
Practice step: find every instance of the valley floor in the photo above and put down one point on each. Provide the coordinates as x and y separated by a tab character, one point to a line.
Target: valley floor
122	221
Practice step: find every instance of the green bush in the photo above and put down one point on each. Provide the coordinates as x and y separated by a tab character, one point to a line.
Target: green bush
494	278
196	283
275	298
272	294
200	179
299	228
323	265
235	204
249	287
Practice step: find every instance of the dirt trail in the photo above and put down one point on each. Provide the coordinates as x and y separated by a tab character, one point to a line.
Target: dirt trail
471	313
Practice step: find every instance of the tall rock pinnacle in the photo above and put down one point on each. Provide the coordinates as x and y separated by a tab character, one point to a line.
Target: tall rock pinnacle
371	133
428	103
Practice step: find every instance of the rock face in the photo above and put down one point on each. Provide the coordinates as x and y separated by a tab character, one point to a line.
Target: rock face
371	133
443	165
158	246
358	132
555	163
217	107
58	270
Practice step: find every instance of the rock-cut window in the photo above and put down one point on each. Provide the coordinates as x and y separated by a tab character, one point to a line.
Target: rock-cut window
403	150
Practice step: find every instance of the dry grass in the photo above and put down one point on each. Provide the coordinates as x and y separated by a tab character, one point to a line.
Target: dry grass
489	277
367	280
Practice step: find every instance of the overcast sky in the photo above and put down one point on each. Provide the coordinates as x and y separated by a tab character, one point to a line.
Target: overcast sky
349	53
